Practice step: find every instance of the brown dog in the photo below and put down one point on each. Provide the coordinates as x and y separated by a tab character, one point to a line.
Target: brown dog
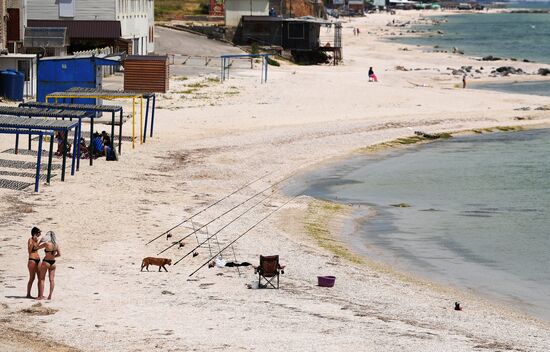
160	262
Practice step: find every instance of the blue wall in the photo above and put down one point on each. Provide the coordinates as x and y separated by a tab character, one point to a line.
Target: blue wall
58	75
62	74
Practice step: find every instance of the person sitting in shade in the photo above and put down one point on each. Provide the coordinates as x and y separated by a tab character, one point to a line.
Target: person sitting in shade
372	76
98	146
60	138
106	139
108	151
84	152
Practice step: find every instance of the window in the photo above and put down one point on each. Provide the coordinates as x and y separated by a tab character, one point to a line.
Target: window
66	8
151	34
296	31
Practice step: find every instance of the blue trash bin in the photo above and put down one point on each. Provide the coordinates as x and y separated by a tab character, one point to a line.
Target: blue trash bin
5	80
2	94
12	84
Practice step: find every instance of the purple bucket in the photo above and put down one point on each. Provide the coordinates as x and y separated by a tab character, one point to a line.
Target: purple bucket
326	281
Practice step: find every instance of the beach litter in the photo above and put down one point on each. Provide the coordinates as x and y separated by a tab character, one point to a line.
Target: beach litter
326	281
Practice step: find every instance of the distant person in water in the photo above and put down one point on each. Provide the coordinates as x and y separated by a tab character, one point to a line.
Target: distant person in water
372	76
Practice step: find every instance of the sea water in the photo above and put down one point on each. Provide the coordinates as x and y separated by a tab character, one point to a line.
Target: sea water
474	212
532	88
506	35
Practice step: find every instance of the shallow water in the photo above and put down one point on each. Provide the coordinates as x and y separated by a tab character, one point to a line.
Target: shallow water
478	219
532	88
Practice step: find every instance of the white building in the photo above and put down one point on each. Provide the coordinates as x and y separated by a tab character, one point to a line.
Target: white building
26	64
235	9
123	23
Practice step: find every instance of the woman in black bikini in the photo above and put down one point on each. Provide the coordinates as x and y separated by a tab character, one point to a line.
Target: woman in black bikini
34	259
48	265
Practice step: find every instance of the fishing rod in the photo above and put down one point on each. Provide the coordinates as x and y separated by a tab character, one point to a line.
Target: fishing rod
210	206
233	208
241	235
220	230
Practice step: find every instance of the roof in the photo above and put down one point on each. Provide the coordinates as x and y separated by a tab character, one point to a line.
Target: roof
28	112
83	107
262	19
38	124
146	58
106	92
111	61
83	29
46	37
18	56
305	19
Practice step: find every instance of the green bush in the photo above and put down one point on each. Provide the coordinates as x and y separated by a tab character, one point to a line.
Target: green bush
254	48
272	62
204	8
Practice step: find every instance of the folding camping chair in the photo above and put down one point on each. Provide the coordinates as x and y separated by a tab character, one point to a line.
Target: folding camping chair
269	269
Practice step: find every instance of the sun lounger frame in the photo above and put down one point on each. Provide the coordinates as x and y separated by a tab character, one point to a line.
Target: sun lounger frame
91	110
42	127
91	93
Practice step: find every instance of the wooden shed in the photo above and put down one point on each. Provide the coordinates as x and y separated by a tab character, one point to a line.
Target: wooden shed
146	73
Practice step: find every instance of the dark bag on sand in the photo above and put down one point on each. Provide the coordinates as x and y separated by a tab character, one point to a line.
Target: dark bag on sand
111	154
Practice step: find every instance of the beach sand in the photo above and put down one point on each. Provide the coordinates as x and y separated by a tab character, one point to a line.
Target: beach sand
213	141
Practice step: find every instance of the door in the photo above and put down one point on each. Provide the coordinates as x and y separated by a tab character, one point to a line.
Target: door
14	25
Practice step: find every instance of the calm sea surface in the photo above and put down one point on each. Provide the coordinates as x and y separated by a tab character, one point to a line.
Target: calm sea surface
479	215
506	35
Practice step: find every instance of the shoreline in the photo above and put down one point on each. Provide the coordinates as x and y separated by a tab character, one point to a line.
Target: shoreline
355	217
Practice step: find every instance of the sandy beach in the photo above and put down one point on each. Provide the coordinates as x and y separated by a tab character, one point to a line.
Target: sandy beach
213	140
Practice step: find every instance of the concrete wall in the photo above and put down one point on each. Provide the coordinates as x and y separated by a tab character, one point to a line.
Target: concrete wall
235	9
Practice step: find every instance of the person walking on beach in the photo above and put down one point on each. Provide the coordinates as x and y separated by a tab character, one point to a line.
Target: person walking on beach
372	76
463	81
33	263
48	264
